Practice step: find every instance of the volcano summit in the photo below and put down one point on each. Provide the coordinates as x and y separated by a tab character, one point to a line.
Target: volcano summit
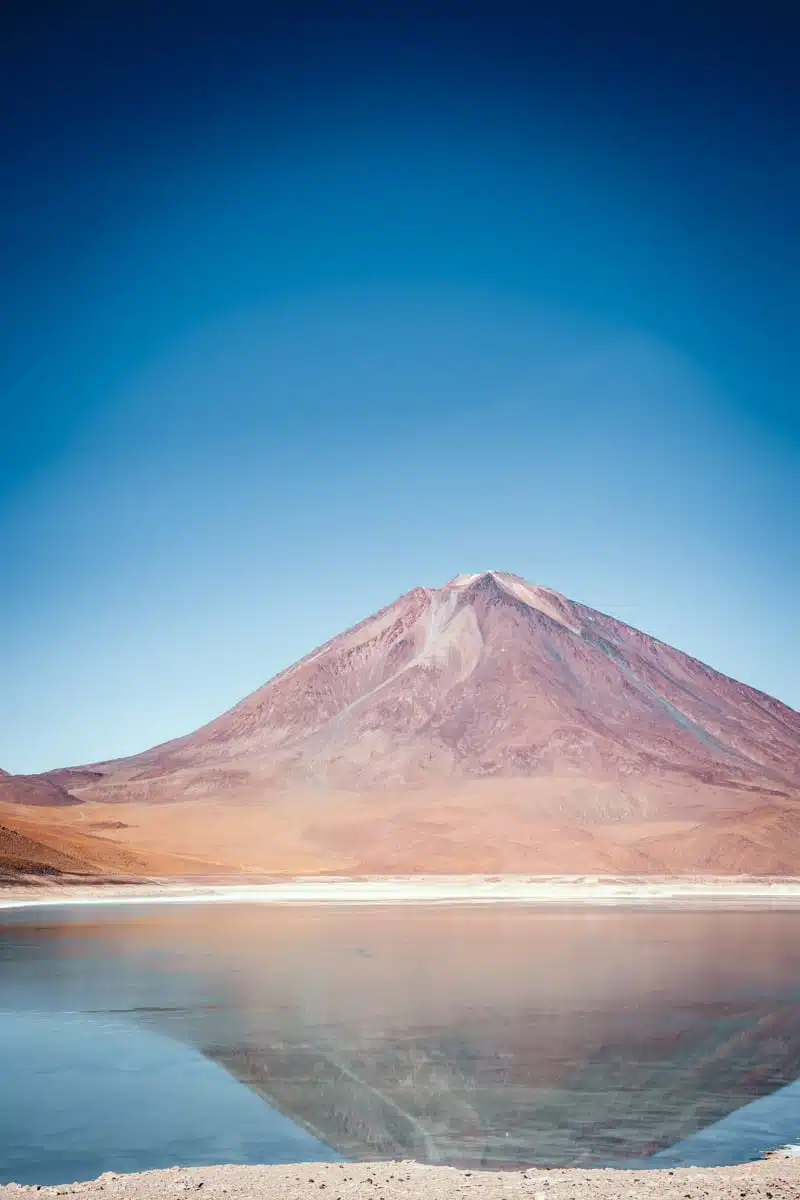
488	725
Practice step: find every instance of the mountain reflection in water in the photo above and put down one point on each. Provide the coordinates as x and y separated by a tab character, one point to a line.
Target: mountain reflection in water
483	1036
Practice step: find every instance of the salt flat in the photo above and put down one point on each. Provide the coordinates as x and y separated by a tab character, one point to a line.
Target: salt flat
431	889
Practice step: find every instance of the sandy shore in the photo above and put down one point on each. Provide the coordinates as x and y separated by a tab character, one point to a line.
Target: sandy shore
777	1178
509	889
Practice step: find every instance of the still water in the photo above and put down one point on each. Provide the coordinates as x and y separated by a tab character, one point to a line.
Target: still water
139	1037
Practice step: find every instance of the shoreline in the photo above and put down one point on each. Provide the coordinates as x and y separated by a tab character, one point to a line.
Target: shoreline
715	891
777	1176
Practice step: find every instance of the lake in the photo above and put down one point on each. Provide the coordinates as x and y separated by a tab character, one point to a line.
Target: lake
134	1037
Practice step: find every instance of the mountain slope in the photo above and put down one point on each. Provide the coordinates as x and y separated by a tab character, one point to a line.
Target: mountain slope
33	843
36	790
30	844
42	834
491	724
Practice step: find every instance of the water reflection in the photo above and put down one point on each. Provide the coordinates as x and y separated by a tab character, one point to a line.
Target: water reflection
489	1036
80	1095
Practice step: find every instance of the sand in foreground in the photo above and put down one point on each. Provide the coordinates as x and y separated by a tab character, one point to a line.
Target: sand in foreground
776	1178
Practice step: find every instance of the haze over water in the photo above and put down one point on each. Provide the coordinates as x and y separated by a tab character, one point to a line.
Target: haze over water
481	1037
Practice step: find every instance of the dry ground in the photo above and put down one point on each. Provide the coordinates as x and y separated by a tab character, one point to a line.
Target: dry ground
773	1179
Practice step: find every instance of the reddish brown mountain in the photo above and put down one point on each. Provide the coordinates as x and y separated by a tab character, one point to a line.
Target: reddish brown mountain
34	789
38	837
490	725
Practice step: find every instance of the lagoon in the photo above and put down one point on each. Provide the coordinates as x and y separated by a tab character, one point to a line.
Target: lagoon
133	1037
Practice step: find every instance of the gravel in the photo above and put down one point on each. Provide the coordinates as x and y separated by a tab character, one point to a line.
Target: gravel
776	1178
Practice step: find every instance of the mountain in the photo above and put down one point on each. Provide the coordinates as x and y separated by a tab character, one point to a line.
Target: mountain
35	846
38	839
34	789
37	849
486	725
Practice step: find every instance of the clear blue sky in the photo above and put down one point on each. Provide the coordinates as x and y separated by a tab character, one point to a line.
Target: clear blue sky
300	311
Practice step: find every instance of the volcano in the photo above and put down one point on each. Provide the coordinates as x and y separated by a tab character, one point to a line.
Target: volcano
488	725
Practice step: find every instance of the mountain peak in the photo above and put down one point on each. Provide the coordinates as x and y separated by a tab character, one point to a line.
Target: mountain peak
494	724
462	581
513	587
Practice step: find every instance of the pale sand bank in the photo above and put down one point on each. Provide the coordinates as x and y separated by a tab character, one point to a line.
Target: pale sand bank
456	889
776	1178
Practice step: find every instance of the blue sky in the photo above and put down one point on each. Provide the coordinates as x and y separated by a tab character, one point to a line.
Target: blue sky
304	310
